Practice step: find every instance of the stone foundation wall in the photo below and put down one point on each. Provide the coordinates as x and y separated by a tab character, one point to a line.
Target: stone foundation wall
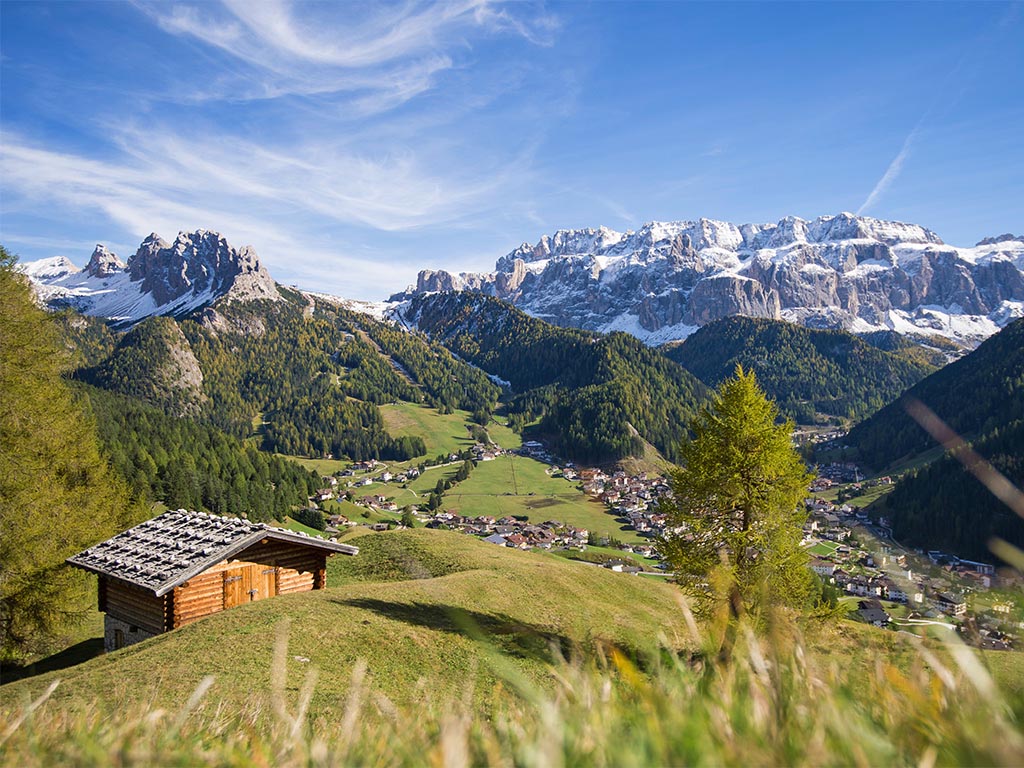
129	634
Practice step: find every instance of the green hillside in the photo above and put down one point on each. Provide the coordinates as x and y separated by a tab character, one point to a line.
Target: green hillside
809	373
976	394
598	398
154	363
943	506
428	610
434	649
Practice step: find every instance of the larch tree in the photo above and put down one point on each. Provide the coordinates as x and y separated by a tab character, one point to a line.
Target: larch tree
735	514
57	493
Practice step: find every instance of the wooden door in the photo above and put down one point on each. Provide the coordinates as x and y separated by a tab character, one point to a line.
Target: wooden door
266	579
237	583
249	582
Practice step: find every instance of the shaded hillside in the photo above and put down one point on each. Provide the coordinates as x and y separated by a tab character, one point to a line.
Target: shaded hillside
979	393
943	506
596	396
807	372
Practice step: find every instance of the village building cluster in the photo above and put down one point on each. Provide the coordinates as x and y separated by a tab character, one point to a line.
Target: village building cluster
858	557
894	587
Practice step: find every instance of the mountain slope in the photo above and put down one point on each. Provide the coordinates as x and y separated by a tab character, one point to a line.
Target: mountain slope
666	279
596	396
154	363
945	507
309	374
184	463
980	392
807	372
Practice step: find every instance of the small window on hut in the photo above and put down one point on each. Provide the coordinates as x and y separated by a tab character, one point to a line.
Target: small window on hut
118	639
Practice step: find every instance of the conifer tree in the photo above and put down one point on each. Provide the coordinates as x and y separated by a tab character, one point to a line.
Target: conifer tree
57	494
736	502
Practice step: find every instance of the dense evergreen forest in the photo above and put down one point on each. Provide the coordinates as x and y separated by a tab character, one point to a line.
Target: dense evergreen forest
449	382
976	395
598	397
944	506
185	463
807	372
307	374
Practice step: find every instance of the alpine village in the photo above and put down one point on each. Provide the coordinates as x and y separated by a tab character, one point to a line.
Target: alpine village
687	491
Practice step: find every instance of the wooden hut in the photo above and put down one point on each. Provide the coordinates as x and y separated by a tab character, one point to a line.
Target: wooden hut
181	566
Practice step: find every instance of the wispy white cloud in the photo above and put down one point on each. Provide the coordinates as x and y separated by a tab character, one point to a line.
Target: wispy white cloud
276	201
307	181
384	54
891	173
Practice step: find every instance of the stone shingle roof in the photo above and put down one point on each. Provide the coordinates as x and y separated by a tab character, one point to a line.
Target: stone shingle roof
168	550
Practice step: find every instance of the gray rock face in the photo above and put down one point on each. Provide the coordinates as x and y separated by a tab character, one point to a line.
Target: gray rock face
667	278
200	262
195	271
104	263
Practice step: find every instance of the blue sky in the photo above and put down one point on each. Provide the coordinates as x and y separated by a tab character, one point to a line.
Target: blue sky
354	144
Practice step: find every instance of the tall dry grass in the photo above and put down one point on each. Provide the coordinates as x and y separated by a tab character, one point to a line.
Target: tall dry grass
771	703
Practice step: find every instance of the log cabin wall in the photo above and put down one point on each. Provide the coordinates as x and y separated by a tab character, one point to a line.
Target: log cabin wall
261	571
136	606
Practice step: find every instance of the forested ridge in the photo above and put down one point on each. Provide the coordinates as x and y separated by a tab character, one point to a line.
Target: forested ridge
183	462
979	393
807	372
981	397
944	506
311	372
590	391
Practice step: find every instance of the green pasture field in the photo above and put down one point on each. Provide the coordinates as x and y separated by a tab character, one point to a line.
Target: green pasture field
518	486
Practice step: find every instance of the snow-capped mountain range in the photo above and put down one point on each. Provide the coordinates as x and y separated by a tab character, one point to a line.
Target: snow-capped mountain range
162	278
659	283
664	280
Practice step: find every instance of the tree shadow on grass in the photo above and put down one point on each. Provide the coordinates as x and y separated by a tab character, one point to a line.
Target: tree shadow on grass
69	657
507	634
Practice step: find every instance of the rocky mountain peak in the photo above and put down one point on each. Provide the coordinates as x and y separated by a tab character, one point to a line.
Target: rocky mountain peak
1006	238
104	263
200	262
161	278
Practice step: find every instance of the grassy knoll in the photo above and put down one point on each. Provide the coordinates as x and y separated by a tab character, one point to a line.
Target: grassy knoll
423	608
435	650
514	485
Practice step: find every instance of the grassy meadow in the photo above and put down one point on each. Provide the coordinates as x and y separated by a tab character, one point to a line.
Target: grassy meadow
514	485
427	611
510	485
431	648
